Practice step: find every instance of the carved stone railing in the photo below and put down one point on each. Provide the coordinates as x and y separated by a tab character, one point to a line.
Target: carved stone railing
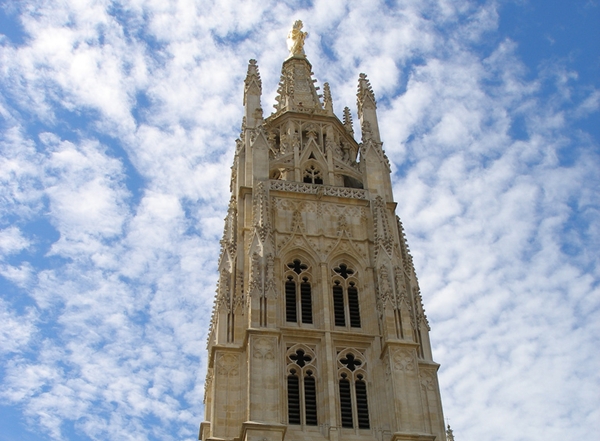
326	190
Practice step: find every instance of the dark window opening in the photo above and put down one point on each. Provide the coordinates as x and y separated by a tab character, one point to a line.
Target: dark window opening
345	402
297	266
362	406
298	295
351	362
312	175
344	271
353	306
293	398
306	301
310	400
351	182
338	305
290	301
345	299
300	358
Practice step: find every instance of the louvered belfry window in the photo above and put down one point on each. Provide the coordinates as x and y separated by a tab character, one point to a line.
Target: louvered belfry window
293	384
301	386
346	310
354	405
298	293
346	401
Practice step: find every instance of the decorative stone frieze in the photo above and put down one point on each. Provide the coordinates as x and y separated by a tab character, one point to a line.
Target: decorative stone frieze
298	187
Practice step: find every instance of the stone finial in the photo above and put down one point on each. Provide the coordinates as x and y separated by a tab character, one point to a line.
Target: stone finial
365	96
449	434
295	39
327	100
253	76
348	121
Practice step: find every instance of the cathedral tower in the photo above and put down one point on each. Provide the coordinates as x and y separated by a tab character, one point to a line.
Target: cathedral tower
318	330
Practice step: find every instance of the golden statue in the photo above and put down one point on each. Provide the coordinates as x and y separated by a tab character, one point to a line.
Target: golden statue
295	39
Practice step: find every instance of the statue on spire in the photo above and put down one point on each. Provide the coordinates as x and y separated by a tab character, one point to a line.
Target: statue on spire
295	39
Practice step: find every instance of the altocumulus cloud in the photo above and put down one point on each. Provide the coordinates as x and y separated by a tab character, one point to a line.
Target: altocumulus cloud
118	128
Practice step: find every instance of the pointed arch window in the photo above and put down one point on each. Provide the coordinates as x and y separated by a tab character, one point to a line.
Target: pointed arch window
301	386
352	386
312	175
346	309
298	293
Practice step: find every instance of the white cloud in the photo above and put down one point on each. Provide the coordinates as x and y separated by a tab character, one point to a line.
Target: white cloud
12	241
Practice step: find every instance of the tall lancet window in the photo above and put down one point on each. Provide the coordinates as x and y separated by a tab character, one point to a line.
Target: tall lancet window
298	293
301	386
354	406
346	309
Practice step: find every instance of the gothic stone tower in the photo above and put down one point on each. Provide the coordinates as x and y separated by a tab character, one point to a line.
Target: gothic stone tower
318	331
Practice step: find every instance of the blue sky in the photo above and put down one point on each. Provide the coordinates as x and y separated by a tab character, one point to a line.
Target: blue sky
117	129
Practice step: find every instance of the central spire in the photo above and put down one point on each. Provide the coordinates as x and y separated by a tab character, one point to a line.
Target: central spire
297	91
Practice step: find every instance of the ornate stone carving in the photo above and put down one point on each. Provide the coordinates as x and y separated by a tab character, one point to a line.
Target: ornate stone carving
314	244
348	121
407	259
252	83
297	222
367	133
342	226
298	187
403	360
420	310
327	100
223	299
385	288
229	240
255	274
228	365
427	381
365	98
449	434
270	290
400	286
260	211
233	179
208	383
383	237
239	297
264	348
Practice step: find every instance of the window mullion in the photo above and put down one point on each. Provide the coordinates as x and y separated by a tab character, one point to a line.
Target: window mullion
354	407
346	307
302	400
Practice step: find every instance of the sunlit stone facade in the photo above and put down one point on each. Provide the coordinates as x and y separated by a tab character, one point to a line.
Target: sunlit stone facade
318	331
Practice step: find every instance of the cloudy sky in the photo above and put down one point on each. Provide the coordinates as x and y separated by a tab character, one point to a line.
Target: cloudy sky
118	122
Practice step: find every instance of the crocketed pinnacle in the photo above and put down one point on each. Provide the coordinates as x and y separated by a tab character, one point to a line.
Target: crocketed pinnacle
252	83
327	100
365	98
348	121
